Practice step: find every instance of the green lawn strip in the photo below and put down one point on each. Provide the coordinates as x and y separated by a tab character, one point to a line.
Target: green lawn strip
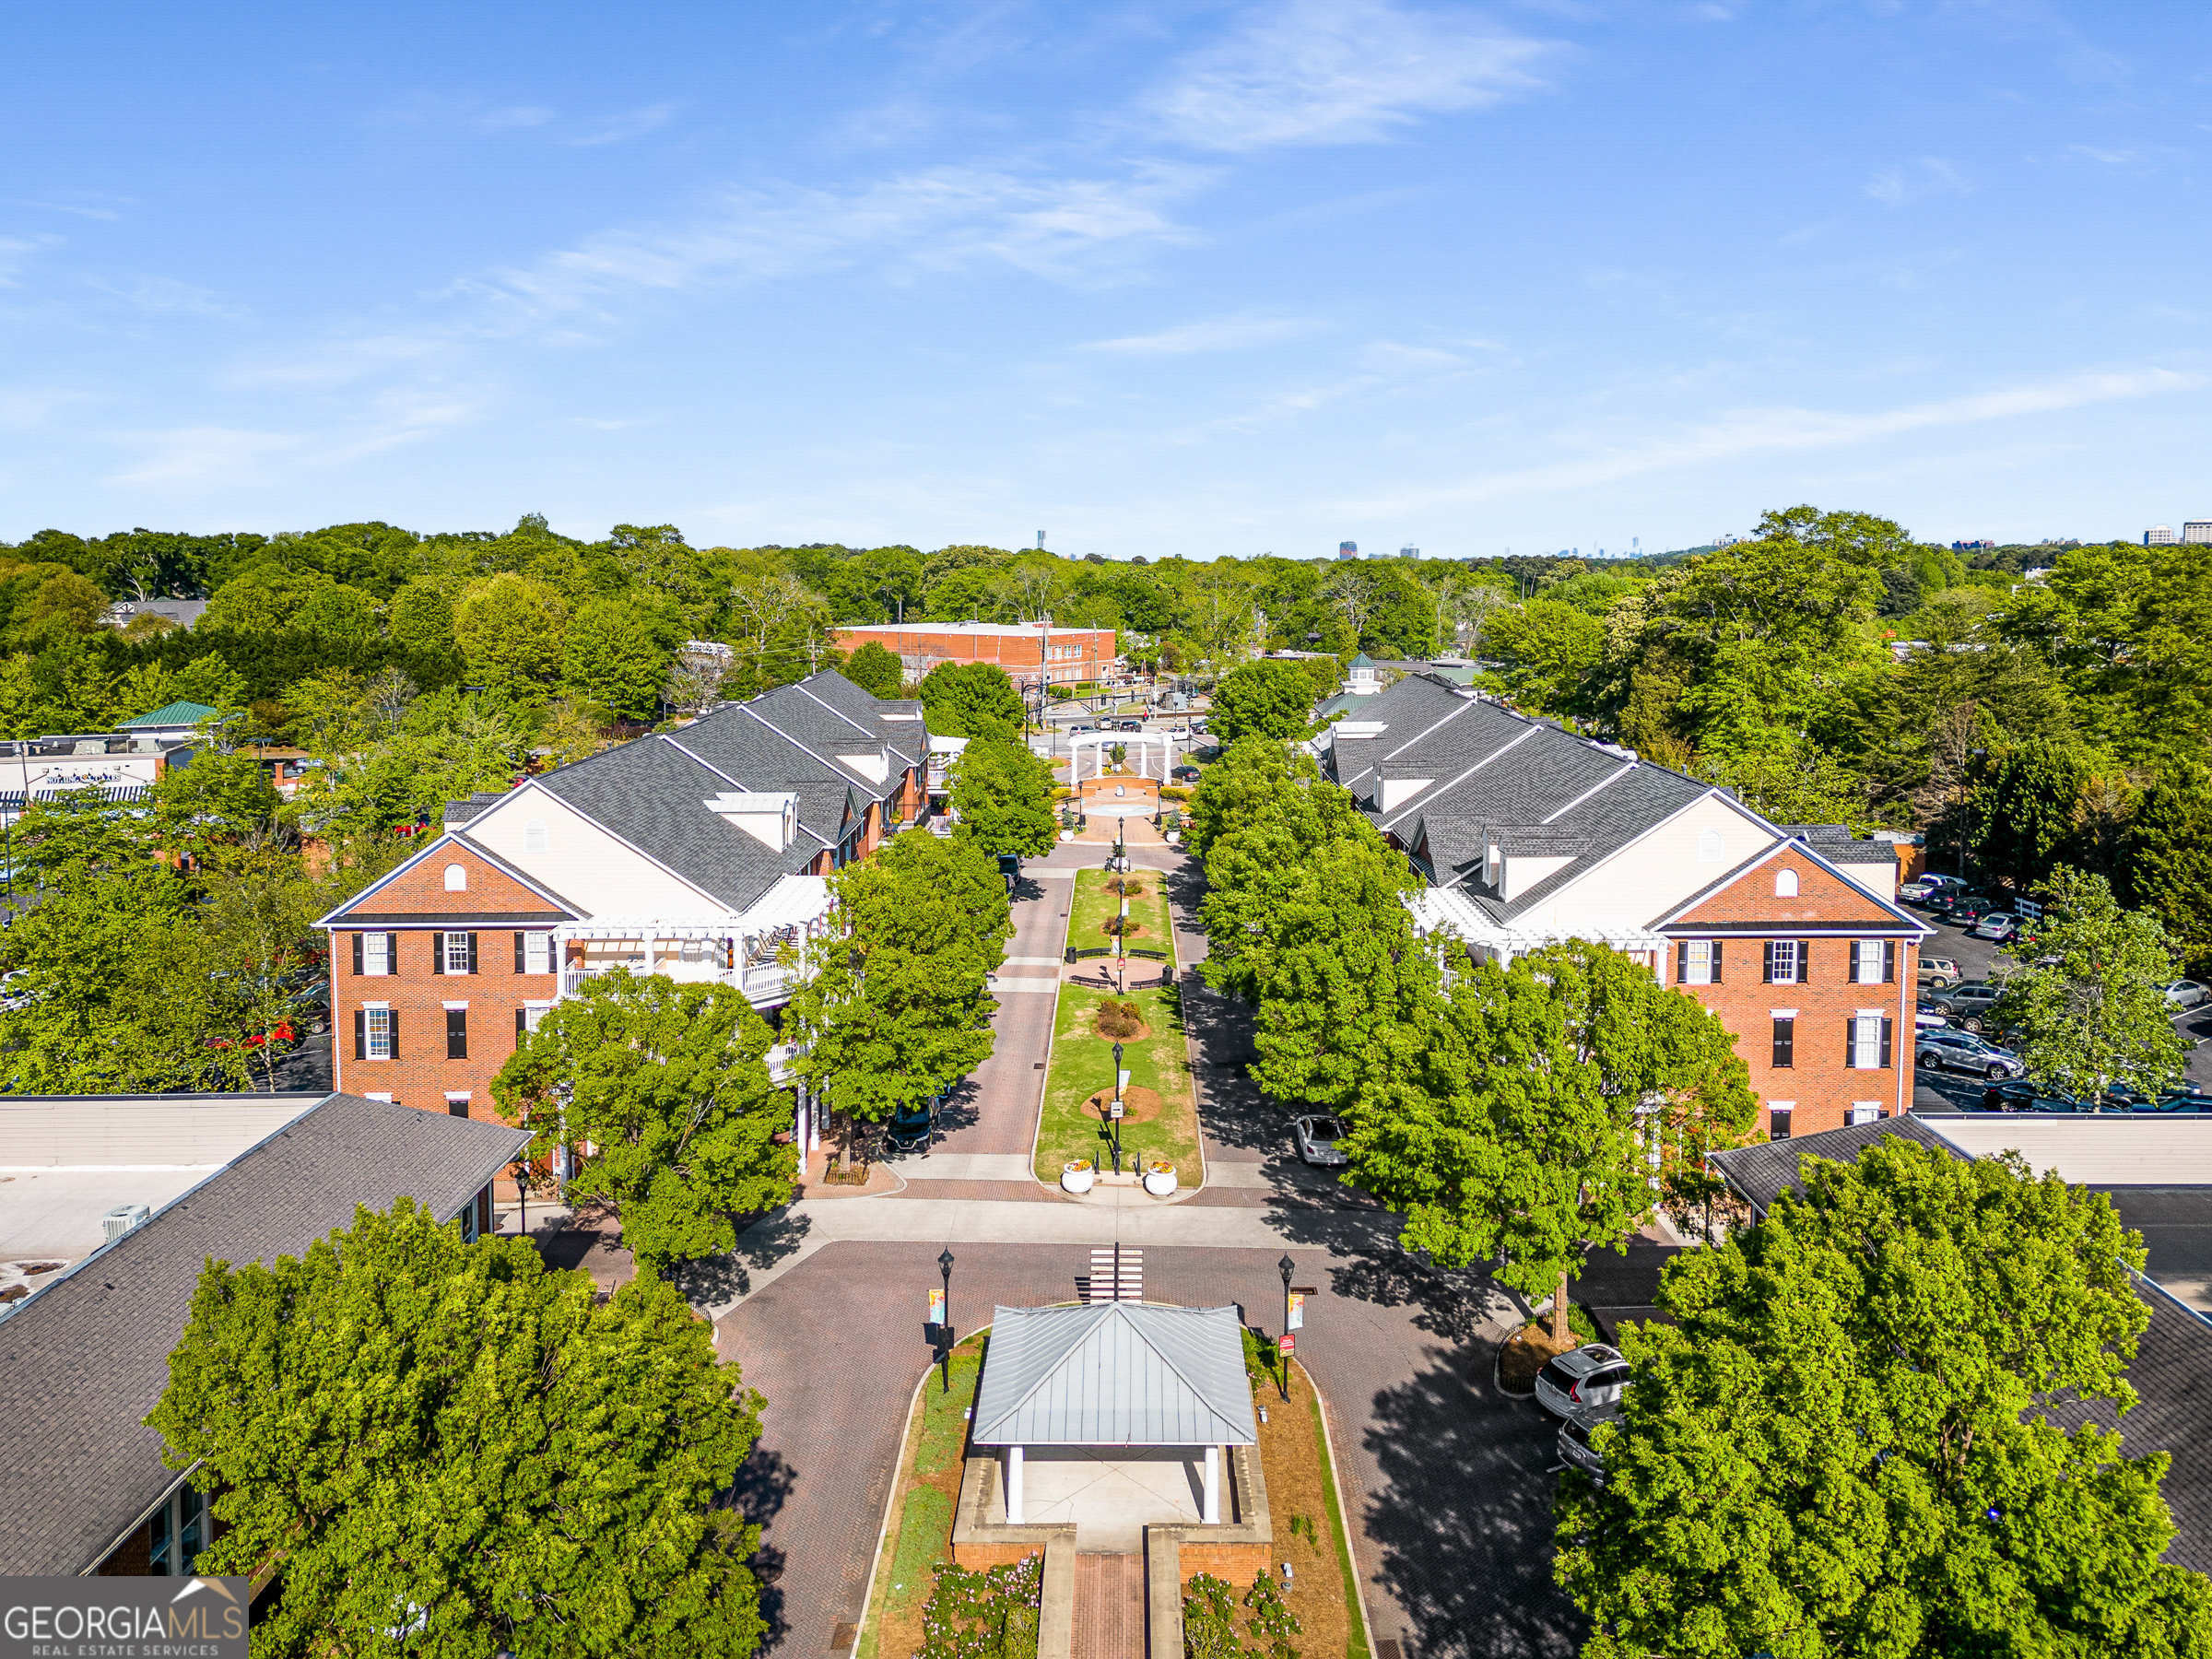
1094	904
1083	1065
1354	1609
921	1529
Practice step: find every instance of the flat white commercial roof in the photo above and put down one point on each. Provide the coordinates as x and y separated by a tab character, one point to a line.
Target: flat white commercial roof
2097	1149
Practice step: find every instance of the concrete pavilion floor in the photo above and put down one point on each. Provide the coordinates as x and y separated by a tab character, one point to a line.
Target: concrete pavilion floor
1110	1493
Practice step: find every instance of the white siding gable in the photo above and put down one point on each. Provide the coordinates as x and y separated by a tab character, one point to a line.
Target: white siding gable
581	862
1654	873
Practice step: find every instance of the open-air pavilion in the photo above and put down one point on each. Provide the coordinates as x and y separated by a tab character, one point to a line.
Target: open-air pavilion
1113	1417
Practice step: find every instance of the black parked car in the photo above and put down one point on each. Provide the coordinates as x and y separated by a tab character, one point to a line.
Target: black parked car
1969	908
2018	1094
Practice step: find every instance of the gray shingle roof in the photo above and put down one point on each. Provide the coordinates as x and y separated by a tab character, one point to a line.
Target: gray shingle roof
1764	1172
1115	1374
85	1360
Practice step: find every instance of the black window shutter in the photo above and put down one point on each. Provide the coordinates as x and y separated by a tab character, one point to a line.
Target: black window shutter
360	1033
437	953
357	956
1768	976
522	1022
1716	961
1886	1026
1785	1043
1804	961
518	953
1888	961
1857	946
456	1034
1681	962
472	953
1850	1037
391	1024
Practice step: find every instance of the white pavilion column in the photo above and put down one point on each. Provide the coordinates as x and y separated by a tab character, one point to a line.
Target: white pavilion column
1013	1486
1212	1513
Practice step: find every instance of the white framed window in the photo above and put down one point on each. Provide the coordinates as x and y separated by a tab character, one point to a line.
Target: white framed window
1866	1040
1785	963
176	1533
537	953
376	953
1778	1119
372	1095
380	1027
534	839
457	1104
456	878
1870	961
1785	884
1696	962
1866	1111
533	1014
456	952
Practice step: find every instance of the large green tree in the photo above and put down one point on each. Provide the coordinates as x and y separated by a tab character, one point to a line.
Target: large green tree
668	1083
1528	1130
1842	1442
1262	699
971	700
512	633
1003	794
617	654
877	672
895	1008
2168	863
2091	993
444	1449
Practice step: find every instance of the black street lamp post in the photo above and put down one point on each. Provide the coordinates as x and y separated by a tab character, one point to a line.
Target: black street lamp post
1115	1116
945	1267
1287	1267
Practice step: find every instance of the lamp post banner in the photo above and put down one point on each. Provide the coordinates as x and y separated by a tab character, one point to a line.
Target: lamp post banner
1294	1311
936	1307
123	1618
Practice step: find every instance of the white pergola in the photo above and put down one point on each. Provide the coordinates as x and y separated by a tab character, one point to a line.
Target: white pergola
1100	742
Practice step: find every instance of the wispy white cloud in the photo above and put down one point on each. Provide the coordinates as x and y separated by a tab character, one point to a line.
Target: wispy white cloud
16	252
166	296
1216	334
1783	430
944	219
206	457
622	128
1339	72
513	118
1930	176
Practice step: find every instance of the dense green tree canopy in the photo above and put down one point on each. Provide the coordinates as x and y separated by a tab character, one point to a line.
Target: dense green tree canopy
2089	992
1844	1440
617	656
876	671
1003	796
971	700
668	1082
449	1441
1263	700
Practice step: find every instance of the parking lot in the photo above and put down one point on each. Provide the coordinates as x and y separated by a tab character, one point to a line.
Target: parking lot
1949	1091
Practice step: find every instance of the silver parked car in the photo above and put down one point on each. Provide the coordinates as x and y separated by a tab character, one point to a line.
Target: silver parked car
1964	1052
1317	1138
1591	1375
1575	1447
2181	993
1997	924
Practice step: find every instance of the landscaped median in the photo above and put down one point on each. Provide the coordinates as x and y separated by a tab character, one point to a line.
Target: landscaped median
1159	1121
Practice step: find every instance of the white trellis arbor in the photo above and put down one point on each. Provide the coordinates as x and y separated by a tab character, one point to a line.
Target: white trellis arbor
1140	743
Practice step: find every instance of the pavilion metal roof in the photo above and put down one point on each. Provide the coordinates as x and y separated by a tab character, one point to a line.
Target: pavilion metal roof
1115	1374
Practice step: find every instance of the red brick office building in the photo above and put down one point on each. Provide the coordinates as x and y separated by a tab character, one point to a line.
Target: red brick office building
1071	655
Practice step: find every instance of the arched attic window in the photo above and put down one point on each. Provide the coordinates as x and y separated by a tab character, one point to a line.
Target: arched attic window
1709	847
456	878
1785	884
534	836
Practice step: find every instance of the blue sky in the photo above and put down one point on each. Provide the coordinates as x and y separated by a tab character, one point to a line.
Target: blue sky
1155	279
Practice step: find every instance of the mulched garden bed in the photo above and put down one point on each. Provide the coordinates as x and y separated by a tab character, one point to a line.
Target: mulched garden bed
1138	1105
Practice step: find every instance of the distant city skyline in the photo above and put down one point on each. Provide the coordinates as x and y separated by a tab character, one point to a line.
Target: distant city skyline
1186	281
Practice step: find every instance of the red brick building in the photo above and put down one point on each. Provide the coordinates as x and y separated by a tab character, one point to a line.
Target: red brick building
701	854
1070	654
1528	835
1815	978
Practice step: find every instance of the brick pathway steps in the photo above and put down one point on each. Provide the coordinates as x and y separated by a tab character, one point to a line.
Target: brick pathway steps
1109	1606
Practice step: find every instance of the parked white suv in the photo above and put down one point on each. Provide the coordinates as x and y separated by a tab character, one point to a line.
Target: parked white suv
1582	1377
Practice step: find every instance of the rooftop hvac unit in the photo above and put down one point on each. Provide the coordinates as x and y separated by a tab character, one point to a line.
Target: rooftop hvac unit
121	1218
